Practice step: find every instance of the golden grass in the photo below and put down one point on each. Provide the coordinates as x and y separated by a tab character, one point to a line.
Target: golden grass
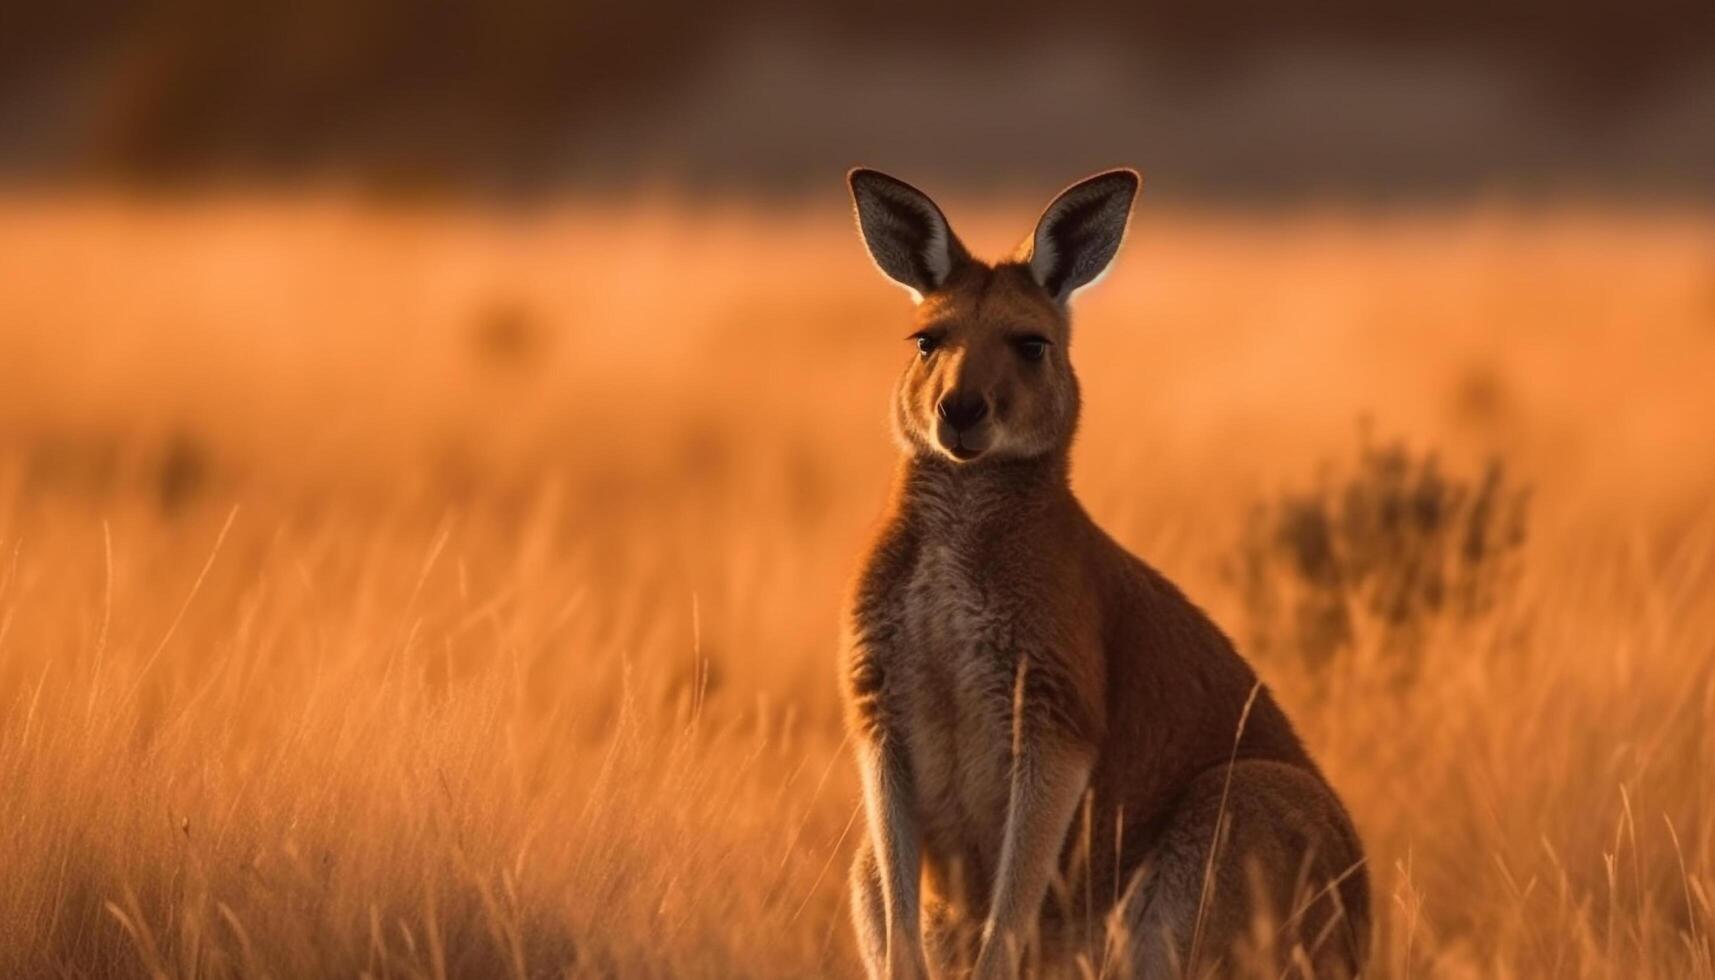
447	592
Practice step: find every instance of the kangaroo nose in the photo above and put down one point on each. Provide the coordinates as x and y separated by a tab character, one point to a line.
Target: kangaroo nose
961	410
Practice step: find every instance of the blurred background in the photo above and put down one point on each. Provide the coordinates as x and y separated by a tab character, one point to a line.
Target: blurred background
1247	100
256	203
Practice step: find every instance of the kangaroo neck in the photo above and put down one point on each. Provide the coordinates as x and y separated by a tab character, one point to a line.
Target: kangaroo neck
957	498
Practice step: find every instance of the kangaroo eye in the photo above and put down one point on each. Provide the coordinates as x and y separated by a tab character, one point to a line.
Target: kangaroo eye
1032	348
926	343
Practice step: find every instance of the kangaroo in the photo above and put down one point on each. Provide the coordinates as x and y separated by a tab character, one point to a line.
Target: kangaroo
1065	763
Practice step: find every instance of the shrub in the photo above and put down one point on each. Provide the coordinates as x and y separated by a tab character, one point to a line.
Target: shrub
1379	550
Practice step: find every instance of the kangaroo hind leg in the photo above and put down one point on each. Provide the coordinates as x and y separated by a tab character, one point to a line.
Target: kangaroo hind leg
1258	872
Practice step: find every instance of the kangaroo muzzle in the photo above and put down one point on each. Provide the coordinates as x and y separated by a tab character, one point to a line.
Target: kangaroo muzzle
960	428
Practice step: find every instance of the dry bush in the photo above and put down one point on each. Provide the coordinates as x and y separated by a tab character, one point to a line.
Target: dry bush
1382	551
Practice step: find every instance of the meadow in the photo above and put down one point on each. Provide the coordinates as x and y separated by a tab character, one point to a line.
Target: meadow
427	589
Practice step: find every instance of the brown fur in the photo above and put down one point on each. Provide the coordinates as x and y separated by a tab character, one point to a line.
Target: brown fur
1005	660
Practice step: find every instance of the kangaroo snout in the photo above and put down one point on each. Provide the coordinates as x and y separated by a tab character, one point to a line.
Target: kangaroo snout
959	415
962	409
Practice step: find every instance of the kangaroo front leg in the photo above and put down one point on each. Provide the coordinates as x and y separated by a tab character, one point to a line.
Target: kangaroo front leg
889	803
1048	782
869	910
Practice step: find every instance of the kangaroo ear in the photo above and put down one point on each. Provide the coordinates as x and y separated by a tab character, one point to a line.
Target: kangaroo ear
907	235
1080	233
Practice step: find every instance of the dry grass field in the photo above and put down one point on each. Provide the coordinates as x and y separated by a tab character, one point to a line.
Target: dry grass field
435	591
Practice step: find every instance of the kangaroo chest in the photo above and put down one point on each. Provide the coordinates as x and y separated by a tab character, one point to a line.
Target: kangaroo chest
962	653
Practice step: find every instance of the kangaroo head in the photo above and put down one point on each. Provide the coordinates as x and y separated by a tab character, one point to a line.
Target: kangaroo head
989	376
